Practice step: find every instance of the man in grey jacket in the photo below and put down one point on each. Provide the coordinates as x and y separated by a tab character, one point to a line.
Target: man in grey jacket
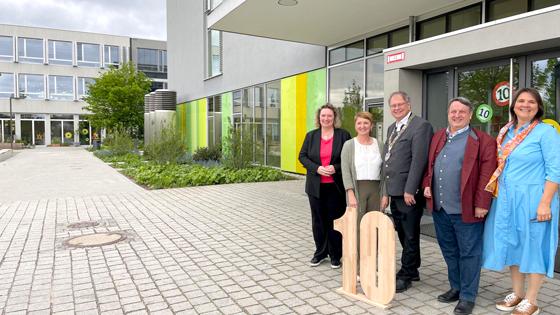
405	156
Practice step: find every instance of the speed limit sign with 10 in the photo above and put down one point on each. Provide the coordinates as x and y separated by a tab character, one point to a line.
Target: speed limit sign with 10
484	113
501	93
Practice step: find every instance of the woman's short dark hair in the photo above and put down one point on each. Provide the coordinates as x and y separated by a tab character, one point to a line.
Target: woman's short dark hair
535	94
333	109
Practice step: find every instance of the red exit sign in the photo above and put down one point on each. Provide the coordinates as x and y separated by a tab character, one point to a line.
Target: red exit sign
396	57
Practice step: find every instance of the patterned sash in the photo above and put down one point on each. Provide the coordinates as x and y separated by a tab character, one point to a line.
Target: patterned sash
504	152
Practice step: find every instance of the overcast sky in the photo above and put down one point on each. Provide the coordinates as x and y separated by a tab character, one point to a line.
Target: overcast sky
134	18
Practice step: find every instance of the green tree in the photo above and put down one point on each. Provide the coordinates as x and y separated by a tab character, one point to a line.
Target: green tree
116	99
352	104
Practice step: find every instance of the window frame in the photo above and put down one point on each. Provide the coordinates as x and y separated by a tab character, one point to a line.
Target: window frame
107	56
54	95
25	58
41	96
390	42
56	60
13	91
209	56
81	84
8	58
446	17
87	63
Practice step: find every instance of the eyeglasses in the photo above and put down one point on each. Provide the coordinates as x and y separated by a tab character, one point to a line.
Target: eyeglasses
393	106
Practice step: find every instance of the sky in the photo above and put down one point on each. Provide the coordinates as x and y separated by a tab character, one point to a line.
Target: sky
133	18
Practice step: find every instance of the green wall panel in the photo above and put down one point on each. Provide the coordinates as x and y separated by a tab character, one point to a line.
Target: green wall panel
287	124
316	94
227	111
202	123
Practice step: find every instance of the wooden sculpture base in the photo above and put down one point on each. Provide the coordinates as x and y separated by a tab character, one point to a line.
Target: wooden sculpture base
363	298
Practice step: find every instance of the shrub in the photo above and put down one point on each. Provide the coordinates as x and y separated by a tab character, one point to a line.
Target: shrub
168	147
238	149
208	154
171	175
119	142
56	140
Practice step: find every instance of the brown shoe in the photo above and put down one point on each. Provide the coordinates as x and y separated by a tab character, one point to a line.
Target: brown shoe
509	302
526	308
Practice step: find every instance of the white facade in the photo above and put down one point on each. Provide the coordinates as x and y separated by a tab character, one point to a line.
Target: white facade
47	72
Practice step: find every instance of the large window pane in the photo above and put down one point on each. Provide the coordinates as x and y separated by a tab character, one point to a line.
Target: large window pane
6	48
348	52
273	123
477	85
374	79
39	126
32	86
88	55
464	18
6	84
498	9
83	86
56	131
61	88
214	52
346	90
163	62
399	37
60	52
247	122
377	44
431	27
147	59
545	77
111	56
68	131
539	4
259	124
30	50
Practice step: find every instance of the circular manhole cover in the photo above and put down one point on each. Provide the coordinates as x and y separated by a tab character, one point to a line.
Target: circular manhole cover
96	239
83	224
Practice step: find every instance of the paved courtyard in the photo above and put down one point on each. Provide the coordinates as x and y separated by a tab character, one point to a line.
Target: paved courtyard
230	249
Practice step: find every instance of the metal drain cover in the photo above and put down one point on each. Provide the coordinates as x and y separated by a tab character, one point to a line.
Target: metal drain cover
83	224
96	239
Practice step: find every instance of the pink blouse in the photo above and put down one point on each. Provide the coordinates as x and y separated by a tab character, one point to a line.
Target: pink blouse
326	153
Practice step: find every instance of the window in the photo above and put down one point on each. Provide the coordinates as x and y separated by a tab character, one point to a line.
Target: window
83	86
32	86
214	53
88	55
450	22
374	77
111	56
6	48
346	90
348	52
498	9
60	53
6	84
61	88
30	50
539	4
273	124
152	60
377	43
214	121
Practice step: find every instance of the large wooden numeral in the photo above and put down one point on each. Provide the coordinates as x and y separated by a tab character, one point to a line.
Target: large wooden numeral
377	256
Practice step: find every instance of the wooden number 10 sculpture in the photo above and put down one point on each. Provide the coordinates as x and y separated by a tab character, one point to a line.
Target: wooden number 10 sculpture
377	256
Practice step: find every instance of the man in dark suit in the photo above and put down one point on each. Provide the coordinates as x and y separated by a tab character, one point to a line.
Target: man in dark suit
405	156
461	161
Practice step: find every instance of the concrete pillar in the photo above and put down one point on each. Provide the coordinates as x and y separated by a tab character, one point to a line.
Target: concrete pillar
47	129
409	81
18	126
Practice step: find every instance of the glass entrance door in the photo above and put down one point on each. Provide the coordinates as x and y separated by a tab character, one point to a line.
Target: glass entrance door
489	86
544	71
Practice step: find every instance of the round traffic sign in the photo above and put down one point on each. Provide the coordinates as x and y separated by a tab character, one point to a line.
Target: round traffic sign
501	93
484	113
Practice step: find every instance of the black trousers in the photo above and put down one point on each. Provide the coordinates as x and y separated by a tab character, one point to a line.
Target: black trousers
324	210
407	223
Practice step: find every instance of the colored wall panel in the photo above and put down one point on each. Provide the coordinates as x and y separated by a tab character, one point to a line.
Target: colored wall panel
289	88
316	94
301	118
202	123
227	111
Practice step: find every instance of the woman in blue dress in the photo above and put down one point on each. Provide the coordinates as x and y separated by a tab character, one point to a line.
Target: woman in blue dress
521	231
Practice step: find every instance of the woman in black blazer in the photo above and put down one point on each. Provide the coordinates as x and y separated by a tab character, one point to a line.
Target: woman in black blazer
320	155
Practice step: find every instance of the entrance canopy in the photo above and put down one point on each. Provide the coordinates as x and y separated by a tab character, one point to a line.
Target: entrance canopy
320	22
